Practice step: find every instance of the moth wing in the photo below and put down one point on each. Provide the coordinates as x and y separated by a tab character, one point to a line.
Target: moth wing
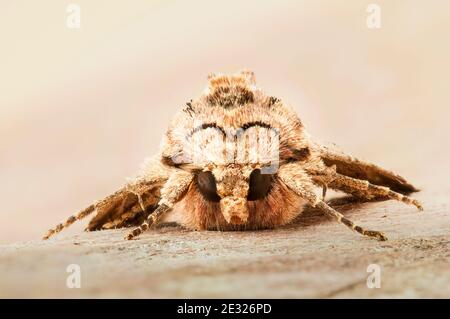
353	167
132	204
126	207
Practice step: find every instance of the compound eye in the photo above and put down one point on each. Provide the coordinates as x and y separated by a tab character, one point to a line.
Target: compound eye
259	185
207	186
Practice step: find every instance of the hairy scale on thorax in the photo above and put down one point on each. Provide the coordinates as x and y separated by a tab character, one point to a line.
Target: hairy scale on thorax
238	159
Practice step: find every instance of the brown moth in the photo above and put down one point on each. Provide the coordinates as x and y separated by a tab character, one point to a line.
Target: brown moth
238	159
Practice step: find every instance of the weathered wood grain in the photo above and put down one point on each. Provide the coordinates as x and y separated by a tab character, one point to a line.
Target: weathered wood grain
314	257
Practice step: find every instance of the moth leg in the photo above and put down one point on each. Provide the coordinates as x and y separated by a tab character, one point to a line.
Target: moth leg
174	189
131	217
128	203
136	201
85	212
329	211
104	208
367	190
297	180
350	166
324	191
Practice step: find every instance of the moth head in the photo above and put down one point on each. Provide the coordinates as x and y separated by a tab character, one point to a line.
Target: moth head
233	186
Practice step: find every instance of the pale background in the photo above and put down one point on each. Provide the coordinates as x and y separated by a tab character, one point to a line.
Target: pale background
80	109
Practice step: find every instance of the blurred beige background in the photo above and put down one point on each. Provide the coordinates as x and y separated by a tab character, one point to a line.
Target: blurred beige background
80	109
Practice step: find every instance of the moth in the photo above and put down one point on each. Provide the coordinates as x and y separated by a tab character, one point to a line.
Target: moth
238	159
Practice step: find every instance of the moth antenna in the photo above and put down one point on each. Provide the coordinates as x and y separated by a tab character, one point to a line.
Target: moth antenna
329	211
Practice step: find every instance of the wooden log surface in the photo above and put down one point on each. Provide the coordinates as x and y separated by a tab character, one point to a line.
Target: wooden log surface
313	257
